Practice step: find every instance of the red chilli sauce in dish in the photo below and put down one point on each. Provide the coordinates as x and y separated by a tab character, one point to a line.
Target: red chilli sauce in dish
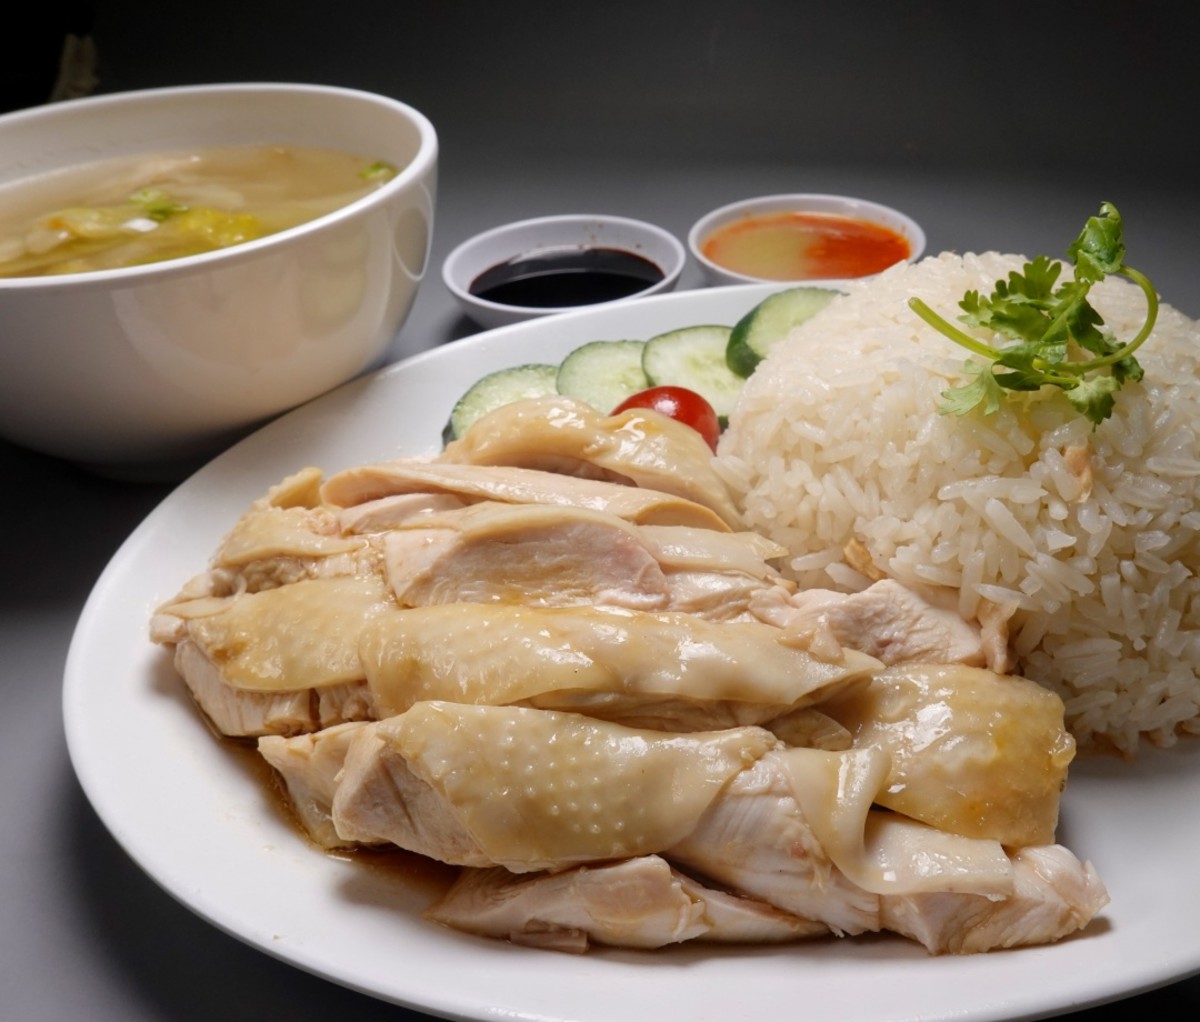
805	246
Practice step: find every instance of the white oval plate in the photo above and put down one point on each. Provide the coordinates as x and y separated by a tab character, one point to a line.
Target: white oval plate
198	820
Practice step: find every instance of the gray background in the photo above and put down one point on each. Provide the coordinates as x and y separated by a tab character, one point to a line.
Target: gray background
996	125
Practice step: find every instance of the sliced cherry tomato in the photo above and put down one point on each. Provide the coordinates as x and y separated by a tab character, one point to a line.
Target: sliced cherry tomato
681	404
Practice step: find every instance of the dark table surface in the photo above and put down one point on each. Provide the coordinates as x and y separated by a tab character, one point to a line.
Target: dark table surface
84	934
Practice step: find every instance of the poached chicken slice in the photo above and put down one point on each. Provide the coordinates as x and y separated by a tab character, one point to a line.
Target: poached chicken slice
283	660
513	485
550	555
675	671
285	536
309	766
559	434
538	555
239	712
530	789
796	830
392	512
1054	895
716	575
634	903
887	620
756	839
285	523
972	752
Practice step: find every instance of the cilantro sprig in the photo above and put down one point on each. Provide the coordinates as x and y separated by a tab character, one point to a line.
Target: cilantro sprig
1058	338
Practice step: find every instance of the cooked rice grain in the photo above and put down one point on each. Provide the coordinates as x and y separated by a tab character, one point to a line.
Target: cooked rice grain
1091	535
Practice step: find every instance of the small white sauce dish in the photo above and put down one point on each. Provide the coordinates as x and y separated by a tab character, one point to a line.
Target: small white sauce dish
535	245
146	370
746	210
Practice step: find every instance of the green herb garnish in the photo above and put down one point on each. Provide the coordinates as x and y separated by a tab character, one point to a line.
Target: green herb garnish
156	204
1053	329
380	170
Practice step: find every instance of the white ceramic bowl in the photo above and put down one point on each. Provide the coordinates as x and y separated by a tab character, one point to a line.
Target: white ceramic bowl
529	237
138	370
837	205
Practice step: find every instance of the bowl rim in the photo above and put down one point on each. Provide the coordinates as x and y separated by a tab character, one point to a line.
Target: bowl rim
815	202
454	281
424	160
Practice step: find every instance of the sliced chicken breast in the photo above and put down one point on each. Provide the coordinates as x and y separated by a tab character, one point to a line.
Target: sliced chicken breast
514	485
309	766
283	537
283	660
388	513
1054	895
674	671
538	555
239	712
530	789
756	839
634	903
551	555
970	751
639	447
886	620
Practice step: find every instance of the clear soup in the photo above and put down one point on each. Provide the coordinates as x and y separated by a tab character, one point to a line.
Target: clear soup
151	207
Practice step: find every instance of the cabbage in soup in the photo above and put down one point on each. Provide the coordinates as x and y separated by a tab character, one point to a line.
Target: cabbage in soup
148	208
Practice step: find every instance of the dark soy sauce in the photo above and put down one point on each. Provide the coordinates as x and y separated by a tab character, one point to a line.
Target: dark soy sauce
560	277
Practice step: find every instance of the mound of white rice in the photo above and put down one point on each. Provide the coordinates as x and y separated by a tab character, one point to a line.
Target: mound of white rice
838	451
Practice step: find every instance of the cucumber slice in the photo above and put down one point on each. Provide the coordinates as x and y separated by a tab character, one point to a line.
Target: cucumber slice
694	357
603	373
770	321
499	388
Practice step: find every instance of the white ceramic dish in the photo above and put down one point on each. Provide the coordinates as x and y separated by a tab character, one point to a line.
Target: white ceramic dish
197	820
574	231
834	205
136	369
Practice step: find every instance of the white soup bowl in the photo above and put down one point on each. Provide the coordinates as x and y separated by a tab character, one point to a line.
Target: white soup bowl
137	371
